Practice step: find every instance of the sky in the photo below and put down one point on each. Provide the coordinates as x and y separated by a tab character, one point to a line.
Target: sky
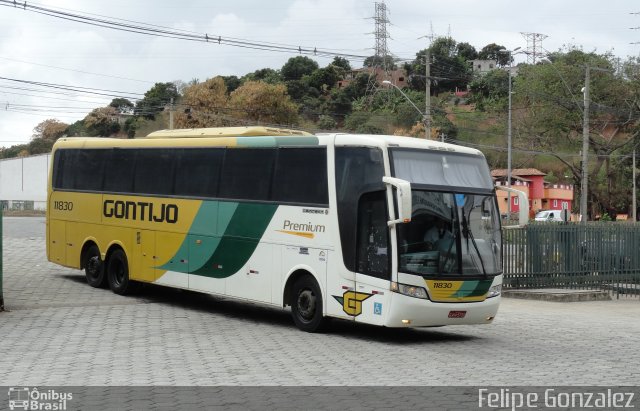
40	48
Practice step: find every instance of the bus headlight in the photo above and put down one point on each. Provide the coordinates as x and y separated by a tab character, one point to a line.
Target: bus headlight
410	290
494	291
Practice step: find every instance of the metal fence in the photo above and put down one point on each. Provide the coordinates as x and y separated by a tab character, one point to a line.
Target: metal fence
593	256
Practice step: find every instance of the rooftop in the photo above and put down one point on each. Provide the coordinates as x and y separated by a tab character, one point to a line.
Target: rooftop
518	172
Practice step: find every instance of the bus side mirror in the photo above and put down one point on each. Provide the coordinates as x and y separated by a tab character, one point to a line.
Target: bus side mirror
523	217
403	193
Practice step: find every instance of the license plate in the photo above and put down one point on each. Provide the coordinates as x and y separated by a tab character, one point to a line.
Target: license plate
457	314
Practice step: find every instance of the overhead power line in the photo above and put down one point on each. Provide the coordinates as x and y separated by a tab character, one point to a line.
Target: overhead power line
167	32
77	89
75	71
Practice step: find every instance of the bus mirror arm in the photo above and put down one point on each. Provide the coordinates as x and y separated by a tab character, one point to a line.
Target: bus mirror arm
403	197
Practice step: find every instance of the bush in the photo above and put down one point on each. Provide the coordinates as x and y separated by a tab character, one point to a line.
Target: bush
326	123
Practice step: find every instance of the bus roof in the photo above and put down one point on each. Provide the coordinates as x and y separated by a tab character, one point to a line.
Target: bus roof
345	139
259	137
226	132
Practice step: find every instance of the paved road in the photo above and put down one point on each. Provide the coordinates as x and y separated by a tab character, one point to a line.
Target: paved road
59	331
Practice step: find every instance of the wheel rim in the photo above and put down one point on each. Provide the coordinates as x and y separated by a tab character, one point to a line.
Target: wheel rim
93	266
117	269
306	305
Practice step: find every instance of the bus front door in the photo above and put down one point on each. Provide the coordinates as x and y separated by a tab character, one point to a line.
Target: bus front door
372	259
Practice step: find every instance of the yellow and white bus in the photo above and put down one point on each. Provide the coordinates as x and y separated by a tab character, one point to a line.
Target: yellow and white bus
384	230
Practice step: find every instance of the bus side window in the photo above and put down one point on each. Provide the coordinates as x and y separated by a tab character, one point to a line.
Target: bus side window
373	235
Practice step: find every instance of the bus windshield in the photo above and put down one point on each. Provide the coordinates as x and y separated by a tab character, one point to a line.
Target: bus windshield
442	169
450	234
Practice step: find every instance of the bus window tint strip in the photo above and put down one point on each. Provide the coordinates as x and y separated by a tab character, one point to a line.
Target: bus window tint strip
284	175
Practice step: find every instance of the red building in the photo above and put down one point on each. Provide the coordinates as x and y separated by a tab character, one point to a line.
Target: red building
542	195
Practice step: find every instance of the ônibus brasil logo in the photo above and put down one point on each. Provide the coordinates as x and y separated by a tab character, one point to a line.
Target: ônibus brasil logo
25	398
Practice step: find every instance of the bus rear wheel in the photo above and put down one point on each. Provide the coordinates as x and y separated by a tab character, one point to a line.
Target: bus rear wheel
306	305
118	273
94	268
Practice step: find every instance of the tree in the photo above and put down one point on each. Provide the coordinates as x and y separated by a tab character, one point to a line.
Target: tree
466	51
18	150
491	90
493	52
122	105
377	61
102	122
77	129
341	62
155	100
323	79
205	105
296	67
266	75
40	146
326	123
50	129
131	126
358	87
551	120
264	103
340	103
448	70
299	89
231	83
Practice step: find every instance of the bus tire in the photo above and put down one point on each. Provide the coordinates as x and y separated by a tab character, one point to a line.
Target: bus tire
94	267
118	273
306	305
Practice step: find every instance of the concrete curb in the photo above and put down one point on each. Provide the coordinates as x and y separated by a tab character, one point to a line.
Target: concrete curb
556	295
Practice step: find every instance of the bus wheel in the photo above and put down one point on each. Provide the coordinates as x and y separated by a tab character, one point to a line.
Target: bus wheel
306	305
93	268
118	273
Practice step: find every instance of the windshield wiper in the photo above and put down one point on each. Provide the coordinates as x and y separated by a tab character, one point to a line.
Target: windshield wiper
466	232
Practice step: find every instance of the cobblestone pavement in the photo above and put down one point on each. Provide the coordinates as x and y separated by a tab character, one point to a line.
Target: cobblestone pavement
60	331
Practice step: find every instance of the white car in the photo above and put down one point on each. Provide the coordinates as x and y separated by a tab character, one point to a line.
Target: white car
549	215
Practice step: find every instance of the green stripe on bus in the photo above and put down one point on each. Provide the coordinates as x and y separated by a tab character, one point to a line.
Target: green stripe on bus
473	288
277	141
243	233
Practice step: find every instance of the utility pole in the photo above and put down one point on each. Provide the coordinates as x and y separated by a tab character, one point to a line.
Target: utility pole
585	150
509	142
171	109
633	202
509	126
427	82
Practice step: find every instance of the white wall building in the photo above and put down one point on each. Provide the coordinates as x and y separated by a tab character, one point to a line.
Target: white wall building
483	66
23	182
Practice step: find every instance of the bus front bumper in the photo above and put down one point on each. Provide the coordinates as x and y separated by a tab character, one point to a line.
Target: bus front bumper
408	311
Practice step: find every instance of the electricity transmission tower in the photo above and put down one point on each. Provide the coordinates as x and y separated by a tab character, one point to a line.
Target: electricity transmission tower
534	46
381	62
381	20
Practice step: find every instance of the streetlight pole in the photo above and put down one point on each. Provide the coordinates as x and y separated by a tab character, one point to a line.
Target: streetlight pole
509	130
425	116
584	188
427	99
585	150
